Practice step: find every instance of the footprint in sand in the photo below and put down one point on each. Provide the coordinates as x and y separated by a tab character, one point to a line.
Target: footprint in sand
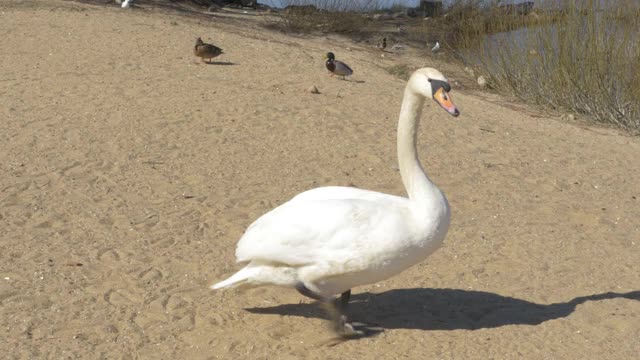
163	242
108	256
174	303
219	317
181	311
151	275
121	297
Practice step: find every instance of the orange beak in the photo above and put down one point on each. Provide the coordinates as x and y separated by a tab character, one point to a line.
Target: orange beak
444	100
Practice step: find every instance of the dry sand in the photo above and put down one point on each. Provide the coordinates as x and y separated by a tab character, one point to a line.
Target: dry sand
130	169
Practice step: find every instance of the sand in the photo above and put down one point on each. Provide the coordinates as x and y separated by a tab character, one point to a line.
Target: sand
130	169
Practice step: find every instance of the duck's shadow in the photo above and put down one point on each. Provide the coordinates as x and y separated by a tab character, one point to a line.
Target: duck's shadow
220	63
444	309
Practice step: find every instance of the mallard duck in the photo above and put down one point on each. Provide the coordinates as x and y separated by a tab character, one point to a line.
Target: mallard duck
327	240
206	51
337	67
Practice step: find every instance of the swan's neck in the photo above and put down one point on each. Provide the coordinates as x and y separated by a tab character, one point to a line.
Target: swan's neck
418	185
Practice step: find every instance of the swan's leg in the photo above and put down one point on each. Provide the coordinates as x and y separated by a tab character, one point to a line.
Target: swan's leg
343	327
342	303
310	294
336	309
344	299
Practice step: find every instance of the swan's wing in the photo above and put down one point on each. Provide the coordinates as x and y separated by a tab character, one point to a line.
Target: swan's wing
350	232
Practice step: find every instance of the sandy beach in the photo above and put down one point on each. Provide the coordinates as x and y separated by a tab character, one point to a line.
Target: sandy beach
130	169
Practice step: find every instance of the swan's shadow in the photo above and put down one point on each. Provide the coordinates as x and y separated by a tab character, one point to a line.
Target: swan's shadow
444	309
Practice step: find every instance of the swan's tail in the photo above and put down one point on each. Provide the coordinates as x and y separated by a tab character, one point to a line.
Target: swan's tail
256	275
237	279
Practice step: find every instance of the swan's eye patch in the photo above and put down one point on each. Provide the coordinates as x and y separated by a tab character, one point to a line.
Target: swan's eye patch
439	84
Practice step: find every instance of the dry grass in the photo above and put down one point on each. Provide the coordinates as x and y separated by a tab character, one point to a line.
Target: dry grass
401	71
325	16
587	62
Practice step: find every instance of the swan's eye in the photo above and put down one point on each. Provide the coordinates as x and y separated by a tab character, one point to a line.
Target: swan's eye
439	84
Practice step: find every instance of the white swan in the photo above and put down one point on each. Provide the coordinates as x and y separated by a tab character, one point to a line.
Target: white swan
328	240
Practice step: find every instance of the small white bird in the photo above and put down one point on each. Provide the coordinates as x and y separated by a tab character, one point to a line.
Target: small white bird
436	47
126	4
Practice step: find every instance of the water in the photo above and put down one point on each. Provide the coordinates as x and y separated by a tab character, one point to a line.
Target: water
540	43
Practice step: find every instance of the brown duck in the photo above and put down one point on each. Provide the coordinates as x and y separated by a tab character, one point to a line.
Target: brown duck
337	67
206	51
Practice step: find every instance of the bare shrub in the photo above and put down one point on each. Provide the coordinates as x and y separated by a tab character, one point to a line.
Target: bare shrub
328	16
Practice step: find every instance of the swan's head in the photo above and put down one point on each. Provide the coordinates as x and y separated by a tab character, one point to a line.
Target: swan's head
431	84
